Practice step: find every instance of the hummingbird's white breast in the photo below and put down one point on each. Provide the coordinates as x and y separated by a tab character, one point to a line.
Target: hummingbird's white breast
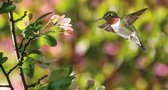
119	30
116	26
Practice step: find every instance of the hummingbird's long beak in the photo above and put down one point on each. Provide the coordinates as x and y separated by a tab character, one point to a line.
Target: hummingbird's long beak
99	19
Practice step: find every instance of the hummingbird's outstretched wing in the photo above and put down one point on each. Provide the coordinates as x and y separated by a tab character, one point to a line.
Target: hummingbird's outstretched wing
102	26
106	27
131	18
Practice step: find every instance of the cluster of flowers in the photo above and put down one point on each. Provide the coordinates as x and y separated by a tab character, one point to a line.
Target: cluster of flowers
63	23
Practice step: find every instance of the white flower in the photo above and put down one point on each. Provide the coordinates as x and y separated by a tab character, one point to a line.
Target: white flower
65	22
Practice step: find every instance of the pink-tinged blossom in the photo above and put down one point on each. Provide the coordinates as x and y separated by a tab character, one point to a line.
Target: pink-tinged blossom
161	69
63	23
68	31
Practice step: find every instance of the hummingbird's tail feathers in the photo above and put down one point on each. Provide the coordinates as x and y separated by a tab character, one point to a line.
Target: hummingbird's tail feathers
142	46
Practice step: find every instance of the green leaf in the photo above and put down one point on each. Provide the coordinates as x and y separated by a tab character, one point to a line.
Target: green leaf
69	69
47	40
39	42
34	56
1	54
56	74
28	67
7	7
35	51
32	30
61	84
2	59
34	44
59	73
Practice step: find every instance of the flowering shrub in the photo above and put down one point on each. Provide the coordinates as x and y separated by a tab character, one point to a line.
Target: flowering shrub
58	78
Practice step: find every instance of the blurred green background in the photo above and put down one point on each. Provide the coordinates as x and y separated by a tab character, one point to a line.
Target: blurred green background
104	57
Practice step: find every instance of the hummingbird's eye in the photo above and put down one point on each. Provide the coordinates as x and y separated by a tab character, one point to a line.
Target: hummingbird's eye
110	15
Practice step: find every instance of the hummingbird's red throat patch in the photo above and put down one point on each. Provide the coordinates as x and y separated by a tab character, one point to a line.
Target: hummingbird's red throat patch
114	20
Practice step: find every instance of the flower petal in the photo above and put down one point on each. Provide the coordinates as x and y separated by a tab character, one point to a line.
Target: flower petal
68	31
54	18
65	21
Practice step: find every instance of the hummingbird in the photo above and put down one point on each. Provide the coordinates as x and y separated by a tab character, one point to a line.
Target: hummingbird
123	26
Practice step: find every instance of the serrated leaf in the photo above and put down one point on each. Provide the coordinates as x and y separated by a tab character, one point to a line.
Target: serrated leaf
60	84
7	7
28	67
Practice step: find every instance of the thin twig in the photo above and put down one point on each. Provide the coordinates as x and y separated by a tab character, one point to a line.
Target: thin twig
13	68
20	64
12	29
23	78
34	84
21	70
25	14
7	77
